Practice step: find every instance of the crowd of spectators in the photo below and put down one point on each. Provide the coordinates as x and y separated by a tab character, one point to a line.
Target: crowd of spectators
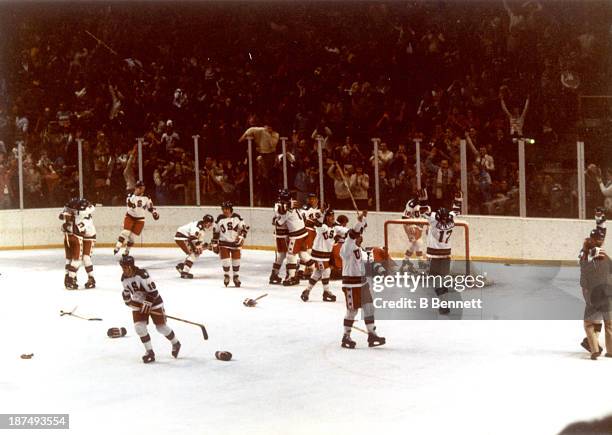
340	73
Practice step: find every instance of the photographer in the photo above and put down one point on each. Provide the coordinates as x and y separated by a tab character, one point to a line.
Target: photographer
595	269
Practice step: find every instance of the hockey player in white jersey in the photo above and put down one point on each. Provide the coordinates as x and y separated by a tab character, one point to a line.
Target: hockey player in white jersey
313	215
414	233
355	287
326	235
133	223
229	233
193	238
292	216
281	235
441	224
141	295
84	224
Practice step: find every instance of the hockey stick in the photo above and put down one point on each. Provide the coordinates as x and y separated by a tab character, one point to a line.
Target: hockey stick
252	302
347	186
202	327
71	313
360	330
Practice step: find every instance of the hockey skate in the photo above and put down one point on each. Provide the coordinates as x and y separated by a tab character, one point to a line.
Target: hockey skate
275	279
179	267
226	280
186	275
236	281
329	297
66	281
72	284
348	342
176	348
148	357
116	251
91	282
304	295
300	275
374	340
291	281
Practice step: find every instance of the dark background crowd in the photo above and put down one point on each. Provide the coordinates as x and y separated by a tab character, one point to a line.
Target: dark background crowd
336	72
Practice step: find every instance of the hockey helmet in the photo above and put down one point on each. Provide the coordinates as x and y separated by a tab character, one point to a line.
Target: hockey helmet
228	205
284	195
83	204
140	183
342	220
126	261
208	219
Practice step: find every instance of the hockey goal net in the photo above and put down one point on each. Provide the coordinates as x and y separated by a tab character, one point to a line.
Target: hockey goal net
397	241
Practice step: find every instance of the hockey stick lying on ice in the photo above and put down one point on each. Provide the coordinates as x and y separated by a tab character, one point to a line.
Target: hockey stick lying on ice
252	302
71	313
202	327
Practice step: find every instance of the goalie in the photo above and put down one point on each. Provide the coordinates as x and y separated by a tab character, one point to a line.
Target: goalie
414	232
191	239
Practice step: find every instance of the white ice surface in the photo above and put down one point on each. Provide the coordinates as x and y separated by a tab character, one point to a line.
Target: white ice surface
288	375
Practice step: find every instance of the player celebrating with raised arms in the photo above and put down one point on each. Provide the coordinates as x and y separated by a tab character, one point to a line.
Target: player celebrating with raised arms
292	216
141	295
228	237
441	223
191	239
137	203
356	289
326	234
281	235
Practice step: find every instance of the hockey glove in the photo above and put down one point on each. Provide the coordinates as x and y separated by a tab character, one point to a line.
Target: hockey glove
155	215
145	307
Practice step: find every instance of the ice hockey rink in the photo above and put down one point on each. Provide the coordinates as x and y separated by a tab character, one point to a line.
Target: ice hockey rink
288	374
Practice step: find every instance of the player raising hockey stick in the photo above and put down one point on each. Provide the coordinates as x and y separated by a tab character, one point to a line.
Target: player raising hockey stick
441	223
137	203
191	239
356	289
292	216
228	237
141	295
281	234
326	233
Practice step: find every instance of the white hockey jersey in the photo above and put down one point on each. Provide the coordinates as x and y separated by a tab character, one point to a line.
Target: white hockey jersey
138	204
230	231
313	216
280	230
295	221
325	239
140	288
439	235
192	232
353	258
83	221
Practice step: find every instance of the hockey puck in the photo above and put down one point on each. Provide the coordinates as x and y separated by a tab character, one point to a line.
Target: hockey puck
27	355
116	332
223	355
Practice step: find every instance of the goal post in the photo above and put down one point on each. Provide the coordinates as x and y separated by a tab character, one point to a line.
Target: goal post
396	240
